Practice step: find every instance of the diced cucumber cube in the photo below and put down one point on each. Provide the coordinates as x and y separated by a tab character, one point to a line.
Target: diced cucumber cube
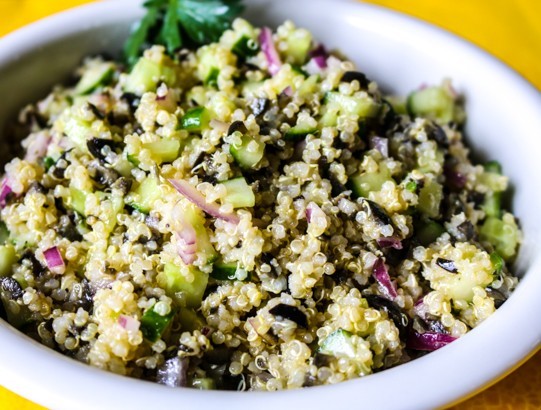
7	259
147	74
297	46
435	103
502	234
77	201
248	153
146	194
430	198
174	281
94	77
299	131
239	193
153	325
196	119
338	343
363	184
164	150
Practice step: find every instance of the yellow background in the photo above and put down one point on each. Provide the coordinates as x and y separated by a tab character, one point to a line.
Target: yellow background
509	29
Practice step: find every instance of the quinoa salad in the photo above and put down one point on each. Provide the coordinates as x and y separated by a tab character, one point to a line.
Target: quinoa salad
250	214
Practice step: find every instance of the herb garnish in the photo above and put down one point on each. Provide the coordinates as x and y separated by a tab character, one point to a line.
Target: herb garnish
181	23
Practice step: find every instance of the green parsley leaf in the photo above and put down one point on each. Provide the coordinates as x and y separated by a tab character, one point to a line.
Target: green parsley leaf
181	23
205	20
170	33
139	35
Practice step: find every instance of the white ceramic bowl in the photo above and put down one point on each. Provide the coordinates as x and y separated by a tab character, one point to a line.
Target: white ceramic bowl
398	52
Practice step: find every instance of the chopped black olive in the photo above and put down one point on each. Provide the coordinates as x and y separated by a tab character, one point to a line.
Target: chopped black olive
237	126
394	312
350	76
377	212
11	287
259	106
67	228
438	134
447	264
96	111
123	184
499	297
96	145
37	268
37	187
103	176
132	100
289	312
466	230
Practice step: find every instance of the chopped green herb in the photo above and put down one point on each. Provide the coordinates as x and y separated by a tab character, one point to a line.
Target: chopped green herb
497	261
181	23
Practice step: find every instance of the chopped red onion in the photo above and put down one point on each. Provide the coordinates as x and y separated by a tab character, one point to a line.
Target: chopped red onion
321	61
314	67
420	308
5	190
194	196
389	242
37	148
187	244
428	341
54	260
381	144
381	274
314	212
129	323
269	49
288	91
319	51
454	178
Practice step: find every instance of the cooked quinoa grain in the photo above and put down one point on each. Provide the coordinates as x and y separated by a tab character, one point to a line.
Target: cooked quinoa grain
256	220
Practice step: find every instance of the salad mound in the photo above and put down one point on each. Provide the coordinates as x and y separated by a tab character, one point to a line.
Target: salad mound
246	210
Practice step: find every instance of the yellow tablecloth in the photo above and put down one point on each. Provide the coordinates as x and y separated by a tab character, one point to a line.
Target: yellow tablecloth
509	29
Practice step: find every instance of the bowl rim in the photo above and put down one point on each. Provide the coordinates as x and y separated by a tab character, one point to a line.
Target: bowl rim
76	377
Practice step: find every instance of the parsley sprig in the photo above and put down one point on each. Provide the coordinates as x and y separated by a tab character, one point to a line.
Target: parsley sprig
181	23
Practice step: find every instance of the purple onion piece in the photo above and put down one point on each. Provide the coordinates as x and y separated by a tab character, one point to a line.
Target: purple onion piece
389	242
288	91
5	190
53	258
173	372
420	308
381	274
313	67
37	147
454	178
320	61
187	244
428	341
194	196
313	212
319	51
269	49
129	323
380	144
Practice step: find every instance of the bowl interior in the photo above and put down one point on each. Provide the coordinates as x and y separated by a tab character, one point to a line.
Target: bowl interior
504	123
